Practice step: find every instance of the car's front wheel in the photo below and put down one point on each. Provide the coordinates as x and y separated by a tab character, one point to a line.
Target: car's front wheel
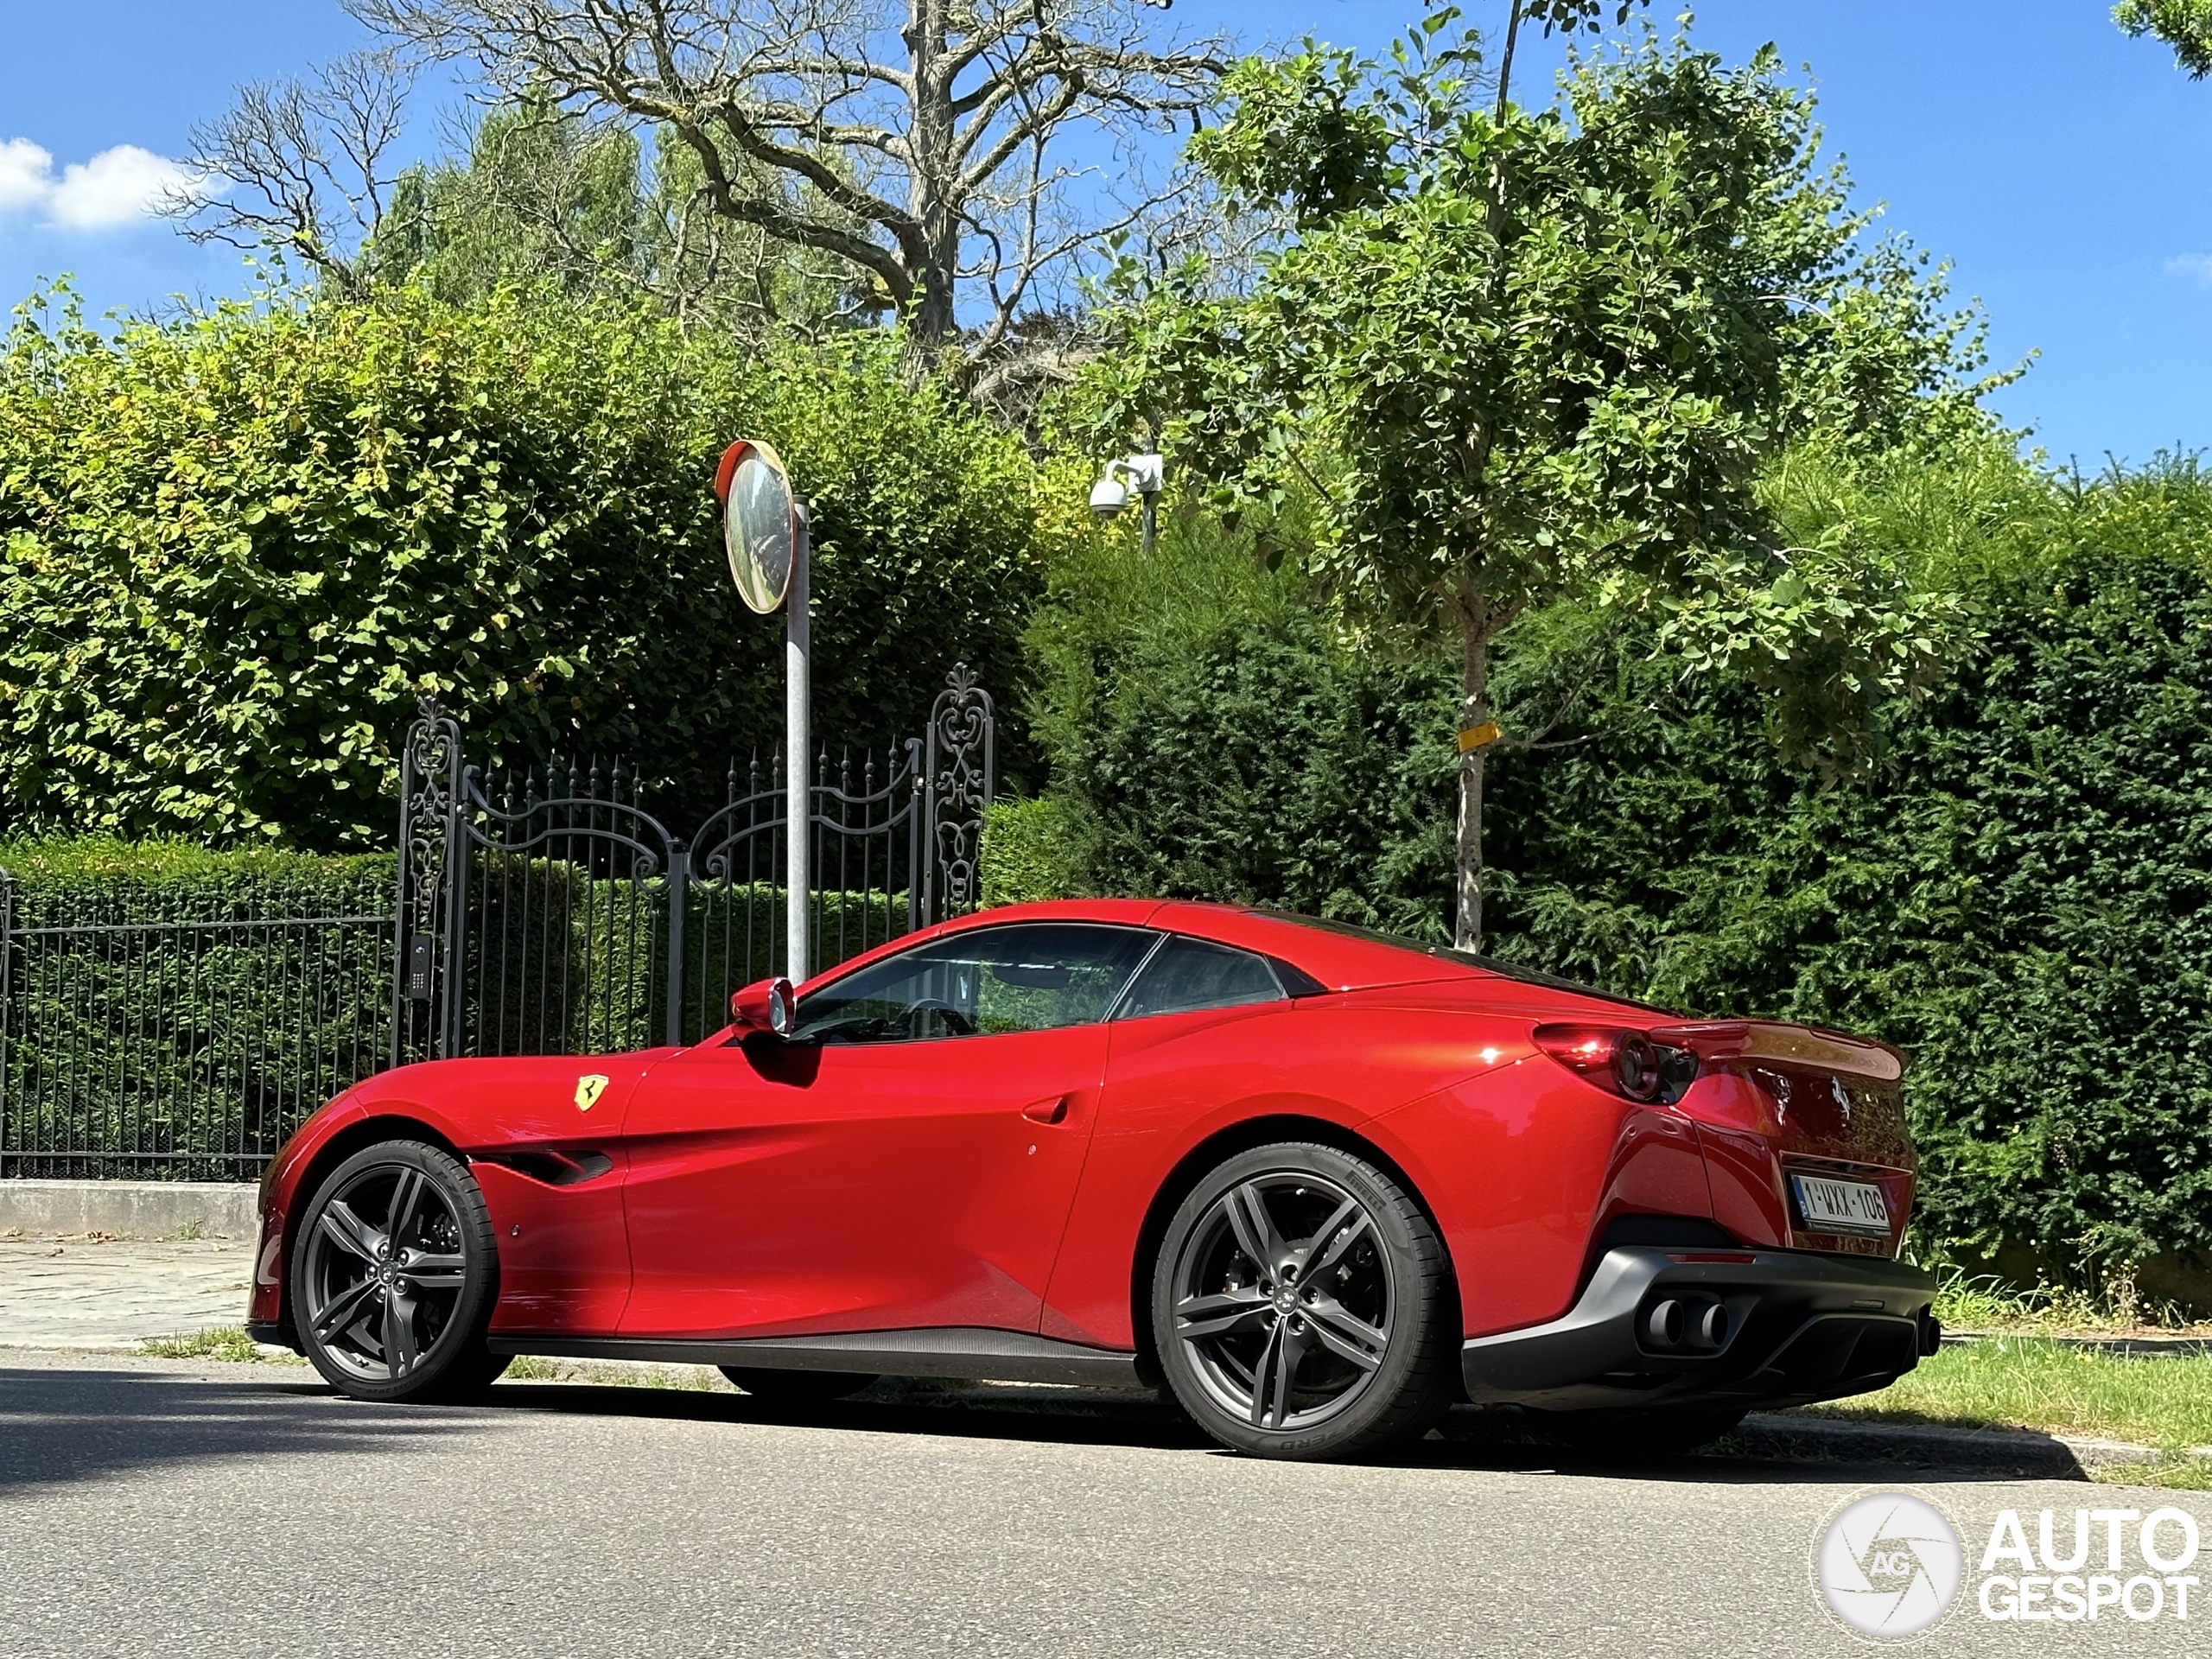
395	1271
1302	1306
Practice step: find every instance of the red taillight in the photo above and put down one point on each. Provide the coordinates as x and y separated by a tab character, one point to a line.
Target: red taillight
1620	1061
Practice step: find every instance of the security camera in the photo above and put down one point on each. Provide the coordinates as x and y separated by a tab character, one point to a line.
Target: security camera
1107	497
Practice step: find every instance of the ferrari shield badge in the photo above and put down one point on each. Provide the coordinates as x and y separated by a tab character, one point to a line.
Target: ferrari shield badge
588	1090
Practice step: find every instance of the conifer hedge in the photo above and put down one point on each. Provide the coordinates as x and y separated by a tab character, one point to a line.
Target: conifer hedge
2018	892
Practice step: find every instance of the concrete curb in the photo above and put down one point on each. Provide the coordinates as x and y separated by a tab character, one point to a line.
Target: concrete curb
130	1209
2020	1451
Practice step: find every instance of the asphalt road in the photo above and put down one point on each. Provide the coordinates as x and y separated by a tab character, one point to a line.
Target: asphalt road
212	1509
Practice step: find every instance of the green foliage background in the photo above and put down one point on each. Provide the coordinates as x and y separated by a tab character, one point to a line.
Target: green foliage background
2018	893
234	551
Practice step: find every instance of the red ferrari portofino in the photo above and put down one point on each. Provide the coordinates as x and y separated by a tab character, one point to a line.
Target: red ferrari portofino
1318	1182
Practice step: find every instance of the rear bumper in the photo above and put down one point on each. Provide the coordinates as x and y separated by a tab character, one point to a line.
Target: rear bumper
1794	1327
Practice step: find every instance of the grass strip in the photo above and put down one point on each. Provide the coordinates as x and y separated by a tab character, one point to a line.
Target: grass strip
228	1342
2032	1383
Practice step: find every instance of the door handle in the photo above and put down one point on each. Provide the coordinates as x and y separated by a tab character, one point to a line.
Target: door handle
1046	1111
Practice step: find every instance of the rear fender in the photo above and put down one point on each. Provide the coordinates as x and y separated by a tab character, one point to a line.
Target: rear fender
1132	1181
1539	1162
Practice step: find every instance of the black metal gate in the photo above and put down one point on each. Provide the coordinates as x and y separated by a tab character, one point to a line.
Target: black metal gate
551	913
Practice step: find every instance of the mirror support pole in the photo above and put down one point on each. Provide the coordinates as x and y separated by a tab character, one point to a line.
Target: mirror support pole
797	773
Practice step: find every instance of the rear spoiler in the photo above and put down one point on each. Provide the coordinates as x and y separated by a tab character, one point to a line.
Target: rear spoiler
1766	1039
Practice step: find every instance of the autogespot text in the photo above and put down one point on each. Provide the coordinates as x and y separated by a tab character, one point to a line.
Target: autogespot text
2090	1563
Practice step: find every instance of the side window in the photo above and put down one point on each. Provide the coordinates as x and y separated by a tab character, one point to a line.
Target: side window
983	983
1190	974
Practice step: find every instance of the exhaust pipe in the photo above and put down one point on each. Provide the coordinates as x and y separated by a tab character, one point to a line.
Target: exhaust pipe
1689	1324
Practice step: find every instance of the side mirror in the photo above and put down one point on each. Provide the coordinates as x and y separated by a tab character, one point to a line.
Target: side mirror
769	1005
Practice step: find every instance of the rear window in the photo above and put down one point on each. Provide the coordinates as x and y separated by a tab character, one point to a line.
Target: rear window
1186	975
1496	965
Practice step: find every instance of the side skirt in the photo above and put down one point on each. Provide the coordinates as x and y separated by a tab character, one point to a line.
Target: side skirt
943	1351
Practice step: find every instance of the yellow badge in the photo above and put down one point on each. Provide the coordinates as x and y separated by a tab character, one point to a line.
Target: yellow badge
588	1090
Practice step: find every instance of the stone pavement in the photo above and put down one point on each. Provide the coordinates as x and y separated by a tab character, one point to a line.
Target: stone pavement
92	1292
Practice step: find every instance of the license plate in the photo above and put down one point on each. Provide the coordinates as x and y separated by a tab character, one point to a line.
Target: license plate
1841	1206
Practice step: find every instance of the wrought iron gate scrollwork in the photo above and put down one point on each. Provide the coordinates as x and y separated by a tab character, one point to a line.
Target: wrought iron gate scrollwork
568	917
430	797
958	778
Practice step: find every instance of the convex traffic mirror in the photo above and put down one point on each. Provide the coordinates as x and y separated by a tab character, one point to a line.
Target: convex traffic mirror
760	523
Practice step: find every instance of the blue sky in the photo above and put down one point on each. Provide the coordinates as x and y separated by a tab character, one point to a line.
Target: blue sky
2065	171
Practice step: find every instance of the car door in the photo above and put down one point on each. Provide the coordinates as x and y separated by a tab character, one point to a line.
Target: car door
1201	1027
904	1159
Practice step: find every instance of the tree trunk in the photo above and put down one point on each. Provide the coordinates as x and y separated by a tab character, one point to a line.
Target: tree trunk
931	322
1474	712
932	163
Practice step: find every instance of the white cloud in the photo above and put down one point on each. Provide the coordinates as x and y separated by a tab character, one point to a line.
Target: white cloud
26	174
114	188
2198	265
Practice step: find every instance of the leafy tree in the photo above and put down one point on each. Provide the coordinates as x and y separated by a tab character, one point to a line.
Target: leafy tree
2019	893
1509	356
543	198
2185	25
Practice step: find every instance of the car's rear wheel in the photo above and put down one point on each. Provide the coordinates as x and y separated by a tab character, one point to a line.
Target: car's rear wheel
1302	1306
797	1388
395	1271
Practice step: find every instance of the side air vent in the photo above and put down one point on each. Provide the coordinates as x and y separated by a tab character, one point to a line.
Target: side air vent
553	1168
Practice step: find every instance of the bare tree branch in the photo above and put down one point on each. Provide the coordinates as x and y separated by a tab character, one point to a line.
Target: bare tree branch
917	138
300	164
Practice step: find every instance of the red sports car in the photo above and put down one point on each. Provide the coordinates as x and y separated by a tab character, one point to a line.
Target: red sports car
1318	1182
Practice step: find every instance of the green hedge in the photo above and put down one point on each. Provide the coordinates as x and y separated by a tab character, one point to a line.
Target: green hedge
175	1013
235	549
2019	893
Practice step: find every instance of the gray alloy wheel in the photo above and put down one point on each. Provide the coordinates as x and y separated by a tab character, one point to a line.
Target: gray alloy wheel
797	1388
394	1275
1302	1306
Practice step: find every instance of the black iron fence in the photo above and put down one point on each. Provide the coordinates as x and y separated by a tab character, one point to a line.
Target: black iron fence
156	1033
183	1035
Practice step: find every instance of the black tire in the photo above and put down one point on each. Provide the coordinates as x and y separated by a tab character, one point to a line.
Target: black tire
796	1388
398	1320
1661	1434
1323	1324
